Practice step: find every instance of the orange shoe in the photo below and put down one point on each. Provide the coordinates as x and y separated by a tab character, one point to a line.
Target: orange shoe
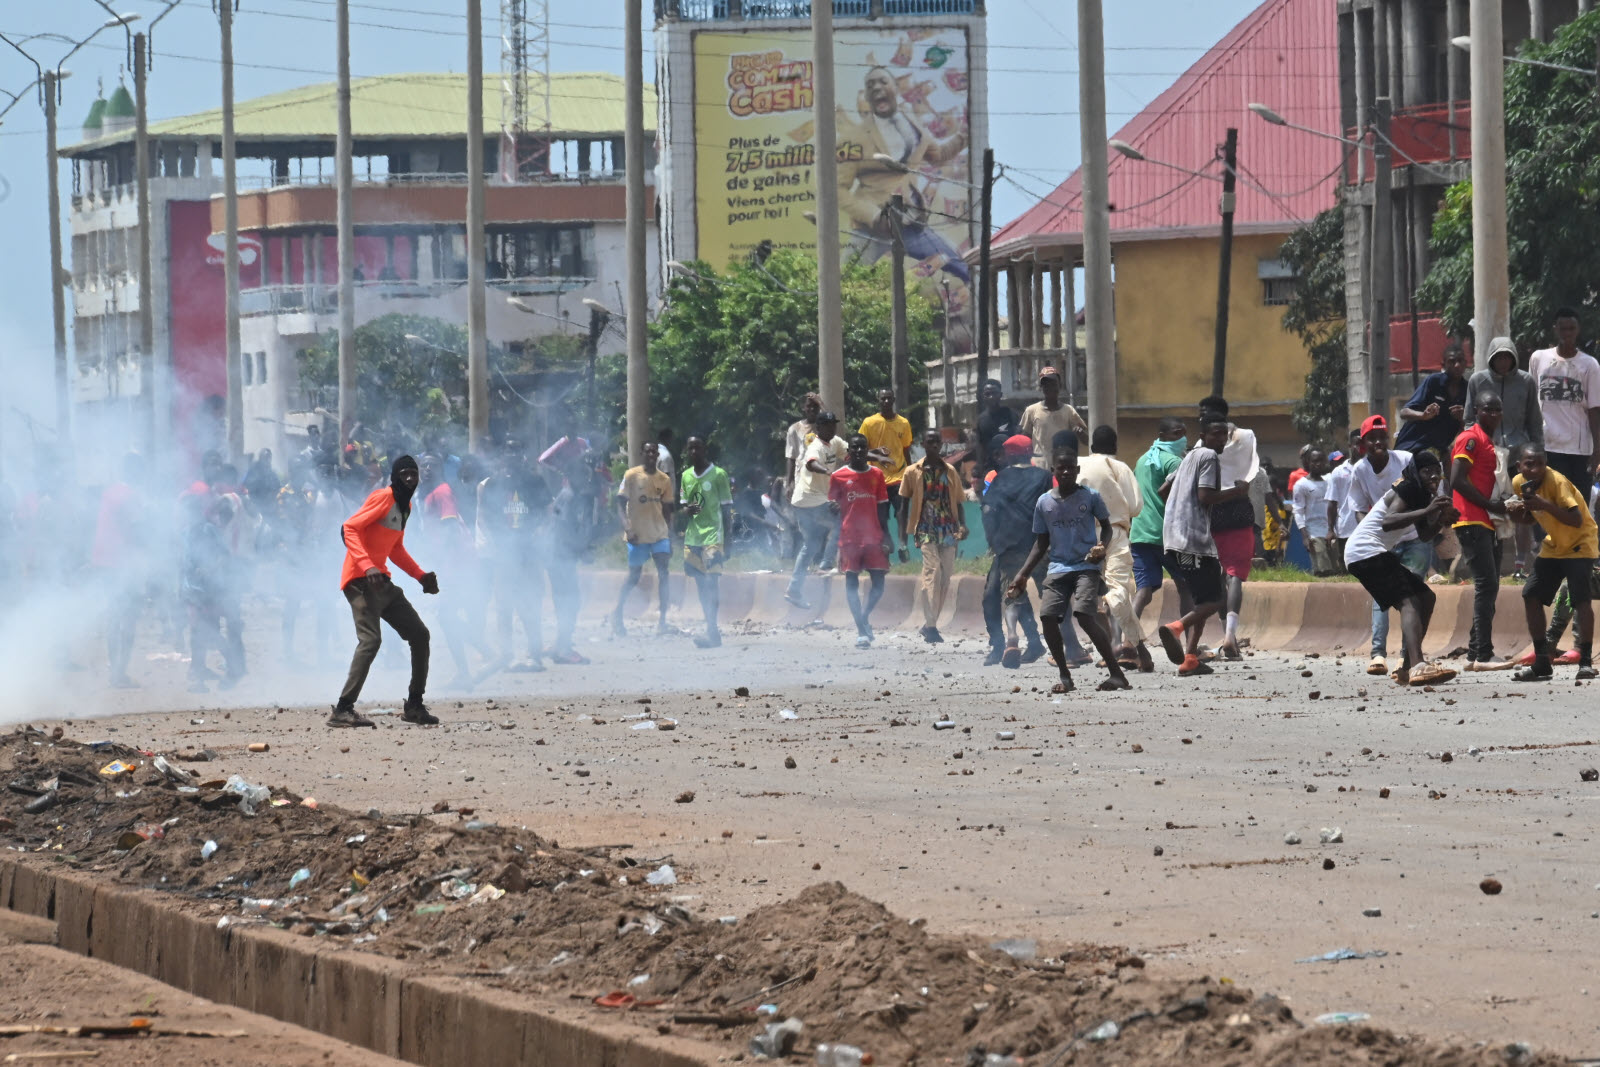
1169	640
1192	666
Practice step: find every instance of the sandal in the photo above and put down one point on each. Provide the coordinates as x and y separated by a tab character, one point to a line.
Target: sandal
1113	684
1066	685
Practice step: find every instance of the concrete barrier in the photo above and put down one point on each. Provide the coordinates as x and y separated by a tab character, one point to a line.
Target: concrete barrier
366	1000
1296	616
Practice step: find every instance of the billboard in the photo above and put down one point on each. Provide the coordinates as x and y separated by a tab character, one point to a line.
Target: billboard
901	95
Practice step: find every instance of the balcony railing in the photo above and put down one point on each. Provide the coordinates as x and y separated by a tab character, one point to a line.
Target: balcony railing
324	299
1431	343
1423	134
718	10
390	181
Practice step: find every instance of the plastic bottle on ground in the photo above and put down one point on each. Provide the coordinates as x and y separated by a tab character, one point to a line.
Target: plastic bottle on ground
831	1055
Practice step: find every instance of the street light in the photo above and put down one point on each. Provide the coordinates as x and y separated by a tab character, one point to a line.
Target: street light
1268	115
1465	44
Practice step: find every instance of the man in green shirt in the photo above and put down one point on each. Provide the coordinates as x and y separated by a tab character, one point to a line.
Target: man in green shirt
1144	535
707	500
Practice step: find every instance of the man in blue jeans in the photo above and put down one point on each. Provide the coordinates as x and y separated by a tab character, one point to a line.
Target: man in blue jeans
1008	506
819	527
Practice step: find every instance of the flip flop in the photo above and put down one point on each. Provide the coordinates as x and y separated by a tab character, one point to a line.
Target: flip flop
1111	685
1170	644
1199	668
616	999
1063	687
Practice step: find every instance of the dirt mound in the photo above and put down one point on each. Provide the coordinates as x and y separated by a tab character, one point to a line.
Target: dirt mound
454	894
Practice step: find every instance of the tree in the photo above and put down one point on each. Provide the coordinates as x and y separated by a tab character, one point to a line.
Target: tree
1316	315
732	354
406	390
1552	192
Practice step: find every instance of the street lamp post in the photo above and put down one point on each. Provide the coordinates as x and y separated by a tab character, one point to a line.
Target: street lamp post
1491	275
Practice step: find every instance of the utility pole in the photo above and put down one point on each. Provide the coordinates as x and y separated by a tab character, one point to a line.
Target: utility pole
58	296
477	257
900	364
635	313
1219	359
230	223
147	327
830	325
1099	314
985	282
1382	272
597	327
1491	280
344	170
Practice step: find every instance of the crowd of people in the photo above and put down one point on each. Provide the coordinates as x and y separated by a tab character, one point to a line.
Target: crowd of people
1479	461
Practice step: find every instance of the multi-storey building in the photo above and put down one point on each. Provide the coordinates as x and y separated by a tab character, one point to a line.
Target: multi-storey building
555	238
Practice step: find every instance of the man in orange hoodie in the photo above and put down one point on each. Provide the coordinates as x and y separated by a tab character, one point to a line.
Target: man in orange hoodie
372	536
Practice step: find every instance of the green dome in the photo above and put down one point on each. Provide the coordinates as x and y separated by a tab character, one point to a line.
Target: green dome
120	106
97	112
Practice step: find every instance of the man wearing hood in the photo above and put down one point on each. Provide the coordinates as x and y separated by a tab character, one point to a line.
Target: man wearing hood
372	536
1521	424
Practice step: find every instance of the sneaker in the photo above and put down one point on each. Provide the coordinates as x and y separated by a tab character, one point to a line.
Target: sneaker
1033	652
343	716
1377	666
994	656
1431	674
569	657
1585	673
416	712
1011	659
798	601
931	635
864	641
709	641
1169	641
1536	672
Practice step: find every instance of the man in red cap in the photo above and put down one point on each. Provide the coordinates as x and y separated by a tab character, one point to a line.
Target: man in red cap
1008	506
1370	478
1042	421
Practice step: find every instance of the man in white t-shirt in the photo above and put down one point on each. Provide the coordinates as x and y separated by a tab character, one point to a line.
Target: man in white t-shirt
1310	501
819	529
1042	421
1341	520
1568	380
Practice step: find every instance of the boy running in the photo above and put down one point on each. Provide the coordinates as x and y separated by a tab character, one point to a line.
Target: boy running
1072	526
644	504
1369	556
858	494
708	501
1543	494
1191	553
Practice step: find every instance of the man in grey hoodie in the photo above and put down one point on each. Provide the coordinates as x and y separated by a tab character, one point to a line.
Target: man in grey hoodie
1522	422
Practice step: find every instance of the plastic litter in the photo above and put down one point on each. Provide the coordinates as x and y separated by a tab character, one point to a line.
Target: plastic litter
1331	837
456	889
662	875
117	767
1005	735
944	724
638	980
299	878
1342	1018
258	903
1018	948
208	850
1291	838
994	1059
788	713
251	796
43	802
831	1055
1106	1031
486	892
648	724
1345	954
168	771
778	1040
428	909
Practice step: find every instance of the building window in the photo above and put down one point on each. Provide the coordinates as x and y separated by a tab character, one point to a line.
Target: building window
1277	292
246	365
261	368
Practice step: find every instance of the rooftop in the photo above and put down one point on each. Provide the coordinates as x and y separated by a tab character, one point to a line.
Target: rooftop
402	107
1285	54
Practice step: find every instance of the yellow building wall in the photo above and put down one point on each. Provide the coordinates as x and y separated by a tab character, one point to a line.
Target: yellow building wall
1166	307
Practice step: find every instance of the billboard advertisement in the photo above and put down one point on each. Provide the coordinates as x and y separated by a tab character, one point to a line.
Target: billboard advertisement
902	119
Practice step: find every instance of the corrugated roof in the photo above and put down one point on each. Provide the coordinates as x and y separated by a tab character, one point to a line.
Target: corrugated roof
406	106
1285	54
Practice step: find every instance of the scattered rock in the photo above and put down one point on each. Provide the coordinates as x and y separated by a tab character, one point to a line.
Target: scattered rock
741	691
1589	774
1372	913
1383	794
1445	757
685	797
1160	851
1138	748
1291	838
788	761
1327	864
1491	887
1315	694
512	880
441	806
1311	789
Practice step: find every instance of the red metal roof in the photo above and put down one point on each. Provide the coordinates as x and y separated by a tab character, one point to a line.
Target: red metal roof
1284	55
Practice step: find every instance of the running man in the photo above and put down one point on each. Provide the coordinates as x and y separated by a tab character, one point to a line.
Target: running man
1233	519
644	505
1152	472
1191	553
889	439
1072	526
1118	487
373	536
1410	509
933	489
1544	495
858	495
1008	505
708	501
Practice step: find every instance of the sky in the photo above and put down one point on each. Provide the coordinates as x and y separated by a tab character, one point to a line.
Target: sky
281	44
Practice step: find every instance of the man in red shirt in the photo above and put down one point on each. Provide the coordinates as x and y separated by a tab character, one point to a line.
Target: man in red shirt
1471	484
372	536
858	494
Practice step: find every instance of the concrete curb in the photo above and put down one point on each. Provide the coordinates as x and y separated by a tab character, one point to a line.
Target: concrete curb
1290	616
364	999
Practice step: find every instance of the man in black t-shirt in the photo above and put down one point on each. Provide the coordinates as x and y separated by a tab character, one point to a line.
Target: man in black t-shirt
994	420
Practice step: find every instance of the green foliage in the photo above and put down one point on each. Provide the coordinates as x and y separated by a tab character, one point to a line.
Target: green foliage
732	354
404	388
1316	315
1552	192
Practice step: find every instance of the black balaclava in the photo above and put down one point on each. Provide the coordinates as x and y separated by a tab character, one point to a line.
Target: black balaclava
402	492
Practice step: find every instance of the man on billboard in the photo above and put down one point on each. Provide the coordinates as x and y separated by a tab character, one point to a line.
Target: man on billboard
868	186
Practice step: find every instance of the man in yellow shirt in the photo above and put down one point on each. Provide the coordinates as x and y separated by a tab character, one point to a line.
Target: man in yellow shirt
888	437
1571	545
644	504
